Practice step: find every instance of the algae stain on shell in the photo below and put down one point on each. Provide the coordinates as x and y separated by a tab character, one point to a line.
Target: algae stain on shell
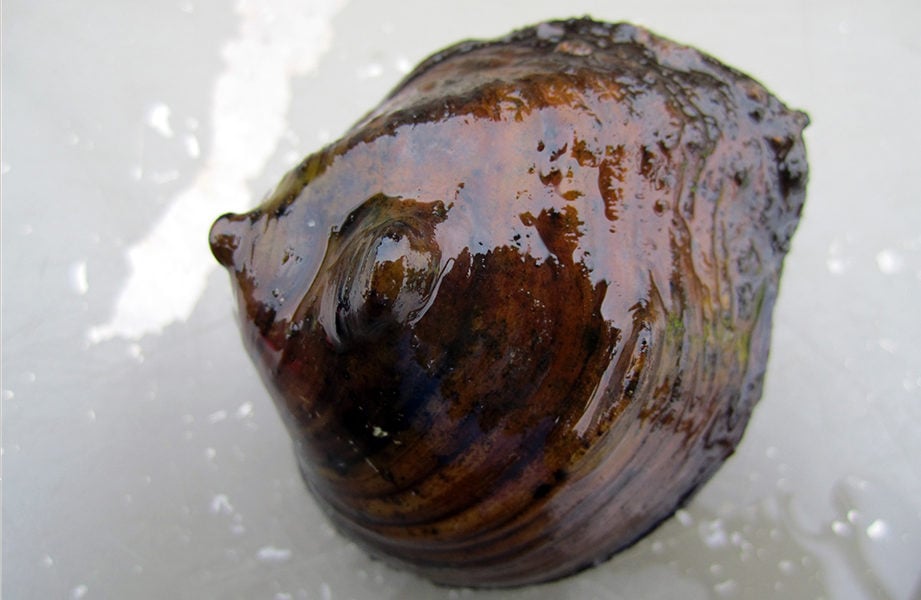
521	311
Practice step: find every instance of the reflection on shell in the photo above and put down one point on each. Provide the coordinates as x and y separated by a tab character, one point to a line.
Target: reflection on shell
522	310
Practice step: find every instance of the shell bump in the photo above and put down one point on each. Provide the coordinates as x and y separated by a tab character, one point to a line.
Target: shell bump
521	311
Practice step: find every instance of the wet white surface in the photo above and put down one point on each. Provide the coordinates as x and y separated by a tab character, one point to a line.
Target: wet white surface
141	457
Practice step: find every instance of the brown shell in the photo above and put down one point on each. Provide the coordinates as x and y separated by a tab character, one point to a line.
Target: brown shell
522	310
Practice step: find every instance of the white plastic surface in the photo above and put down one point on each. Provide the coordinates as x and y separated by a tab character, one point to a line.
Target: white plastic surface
141	456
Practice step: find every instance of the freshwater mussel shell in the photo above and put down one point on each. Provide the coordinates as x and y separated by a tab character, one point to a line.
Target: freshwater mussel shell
521	311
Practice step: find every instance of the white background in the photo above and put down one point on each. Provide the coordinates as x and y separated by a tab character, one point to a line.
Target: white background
141	457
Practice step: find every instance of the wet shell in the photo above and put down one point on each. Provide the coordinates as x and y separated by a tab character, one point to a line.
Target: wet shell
521	311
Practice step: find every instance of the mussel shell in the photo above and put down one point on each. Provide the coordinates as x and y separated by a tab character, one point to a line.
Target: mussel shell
522	310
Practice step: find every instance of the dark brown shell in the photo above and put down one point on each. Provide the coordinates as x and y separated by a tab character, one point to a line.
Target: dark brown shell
522	310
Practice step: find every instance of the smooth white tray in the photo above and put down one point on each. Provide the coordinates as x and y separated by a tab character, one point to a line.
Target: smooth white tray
141	457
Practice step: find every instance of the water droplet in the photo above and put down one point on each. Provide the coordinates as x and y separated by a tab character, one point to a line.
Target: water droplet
273	554
841	528
78	278
220	504
888	345
403	65
836	265
726	588
245	410
786	567
889	262
136	352
684	517
158	119
877	530
191	146
713	534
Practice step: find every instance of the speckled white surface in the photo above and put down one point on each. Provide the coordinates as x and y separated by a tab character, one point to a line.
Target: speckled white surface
141	457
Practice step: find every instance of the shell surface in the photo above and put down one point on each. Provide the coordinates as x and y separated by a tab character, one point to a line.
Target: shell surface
521	311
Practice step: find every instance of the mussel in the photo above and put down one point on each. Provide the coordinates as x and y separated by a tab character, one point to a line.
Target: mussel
521	311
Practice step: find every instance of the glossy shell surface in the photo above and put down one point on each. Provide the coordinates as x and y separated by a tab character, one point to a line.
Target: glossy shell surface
520	312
